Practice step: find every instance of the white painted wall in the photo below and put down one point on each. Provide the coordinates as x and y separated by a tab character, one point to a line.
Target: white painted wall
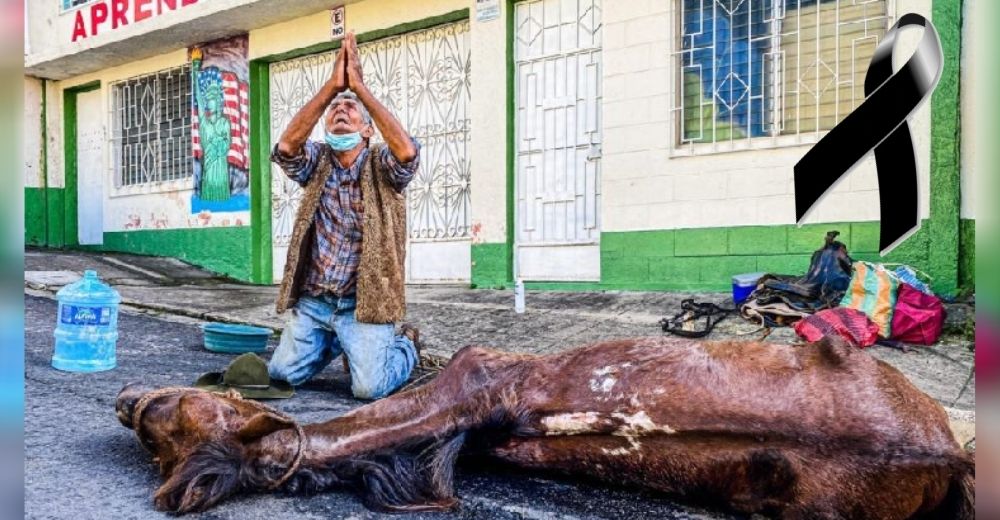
150	206
168	206
360	16
489	128
50	30
55	55
32	127
647	185
54	134
974	92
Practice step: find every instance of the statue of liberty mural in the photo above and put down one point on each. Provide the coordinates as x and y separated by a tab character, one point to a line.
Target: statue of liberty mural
213	130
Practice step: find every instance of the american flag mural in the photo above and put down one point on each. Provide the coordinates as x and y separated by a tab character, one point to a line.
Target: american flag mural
220	75
236	107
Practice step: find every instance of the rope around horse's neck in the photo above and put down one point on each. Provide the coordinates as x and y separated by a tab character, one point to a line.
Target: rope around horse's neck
149	397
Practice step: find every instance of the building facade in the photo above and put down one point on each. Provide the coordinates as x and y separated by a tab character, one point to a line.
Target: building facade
575	144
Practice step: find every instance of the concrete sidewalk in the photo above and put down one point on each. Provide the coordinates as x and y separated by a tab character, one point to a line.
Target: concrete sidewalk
451	317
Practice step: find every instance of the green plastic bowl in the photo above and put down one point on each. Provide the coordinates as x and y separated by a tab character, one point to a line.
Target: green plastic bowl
235	339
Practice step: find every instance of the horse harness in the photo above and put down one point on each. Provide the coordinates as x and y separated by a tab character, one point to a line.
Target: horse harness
149	397
684	323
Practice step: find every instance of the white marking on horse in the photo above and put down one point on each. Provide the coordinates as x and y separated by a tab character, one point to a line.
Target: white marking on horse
569	423
638	424
603	381
633	446
605	370
603	385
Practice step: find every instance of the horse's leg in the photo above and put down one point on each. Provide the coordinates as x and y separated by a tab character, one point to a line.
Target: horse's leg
786	481
471	390
744	475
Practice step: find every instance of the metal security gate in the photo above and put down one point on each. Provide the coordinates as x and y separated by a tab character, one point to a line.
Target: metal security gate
558	94
423	78
292	83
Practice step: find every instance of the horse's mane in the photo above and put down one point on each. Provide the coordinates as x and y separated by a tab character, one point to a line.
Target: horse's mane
414	478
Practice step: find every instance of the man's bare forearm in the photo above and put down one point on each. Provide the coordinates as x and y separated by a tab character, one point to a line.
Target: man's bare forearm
393	133
395	136
301	125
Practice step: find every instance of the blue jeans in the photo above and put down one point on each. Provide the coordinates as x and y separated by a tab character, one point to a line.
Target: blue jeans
321	328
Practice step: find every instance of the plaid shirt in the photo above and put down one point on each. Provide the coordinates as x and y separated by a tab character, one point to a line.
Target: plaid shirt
337	251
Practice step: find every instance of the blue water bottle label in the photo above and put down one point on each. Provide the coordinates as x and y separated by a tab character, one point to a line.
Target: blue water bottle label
85	315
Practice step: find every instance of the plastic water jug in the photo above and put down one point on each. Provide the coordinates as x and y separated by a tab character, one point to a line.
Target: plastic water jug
87	328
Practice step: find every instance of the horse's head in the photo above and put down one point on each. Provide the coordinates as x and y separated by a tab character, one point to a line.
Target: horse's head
187	430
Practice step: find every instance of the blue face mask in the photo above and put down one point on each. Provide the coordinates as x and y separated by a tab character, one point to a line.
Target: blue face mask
343	142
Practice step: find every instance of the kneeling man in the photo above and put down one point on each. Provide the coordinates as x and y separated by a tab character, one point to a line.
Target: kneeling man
343	278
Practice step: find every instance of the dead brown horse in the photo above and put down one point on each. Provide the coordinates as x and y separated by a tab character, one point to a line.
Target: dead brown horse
821	431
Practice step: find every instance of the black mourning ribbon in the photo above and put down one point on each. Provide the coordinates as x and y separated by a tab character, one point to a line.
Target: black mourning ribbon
879	123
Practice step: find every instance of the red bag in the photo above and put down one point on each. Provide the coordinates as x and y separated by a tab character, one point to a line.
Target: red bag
850	324
918	317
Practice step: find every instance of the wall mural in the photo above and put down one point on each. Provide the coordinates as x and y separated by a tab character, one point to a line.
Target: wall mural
220	126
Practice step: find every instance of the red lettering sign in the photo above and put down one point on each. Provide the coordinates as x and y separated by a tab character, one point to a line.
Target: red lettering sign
98	15
79	28
172	4
140	12
120	13
118	9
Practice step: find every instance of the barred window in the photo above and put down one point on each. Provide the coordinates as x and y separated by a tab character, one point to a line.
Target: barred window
152	127
767	68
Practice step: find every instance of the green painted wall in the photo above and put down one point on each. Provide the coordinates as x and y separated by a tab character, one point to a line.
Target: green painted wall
225	250
44	217
491	266
967	255
706	259
945	190
34	217
56	232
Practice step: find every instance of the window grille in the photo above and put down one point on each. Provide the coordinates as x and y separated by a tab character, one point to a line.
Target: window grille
752	71
152	127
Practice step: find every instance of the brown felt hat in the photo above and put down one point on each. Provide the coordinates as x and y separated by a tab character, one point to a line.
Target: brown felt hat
247	374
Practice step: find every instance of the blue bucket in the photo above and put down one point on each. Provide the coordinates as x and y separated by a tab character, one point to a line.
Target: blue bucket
235	339
743	285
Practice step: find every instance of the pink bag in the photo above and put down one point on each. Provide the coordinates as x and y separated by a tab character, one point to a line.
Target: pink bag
850	324
918	317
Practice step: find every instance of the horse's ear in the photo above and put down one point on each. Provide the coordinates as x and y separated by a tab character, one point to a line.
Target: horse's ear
262	424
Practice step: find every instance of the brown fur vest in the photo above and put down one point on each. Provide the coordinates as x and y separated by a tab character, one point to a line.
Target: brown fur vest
380	290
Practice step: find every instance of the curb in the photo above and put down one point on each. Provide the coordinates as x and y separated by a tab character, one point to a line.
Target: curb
169	309
45	291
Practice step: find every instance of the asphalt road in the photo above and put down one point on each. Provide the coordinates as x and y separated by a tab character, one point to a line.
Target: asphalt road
80	463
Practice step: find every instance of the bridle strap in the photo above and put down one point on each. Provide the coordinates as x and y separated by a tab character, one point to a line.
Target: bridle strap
149	397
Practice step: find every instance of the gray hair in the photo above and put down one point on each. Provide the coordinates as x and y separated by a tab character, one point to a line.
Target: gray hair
348	94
